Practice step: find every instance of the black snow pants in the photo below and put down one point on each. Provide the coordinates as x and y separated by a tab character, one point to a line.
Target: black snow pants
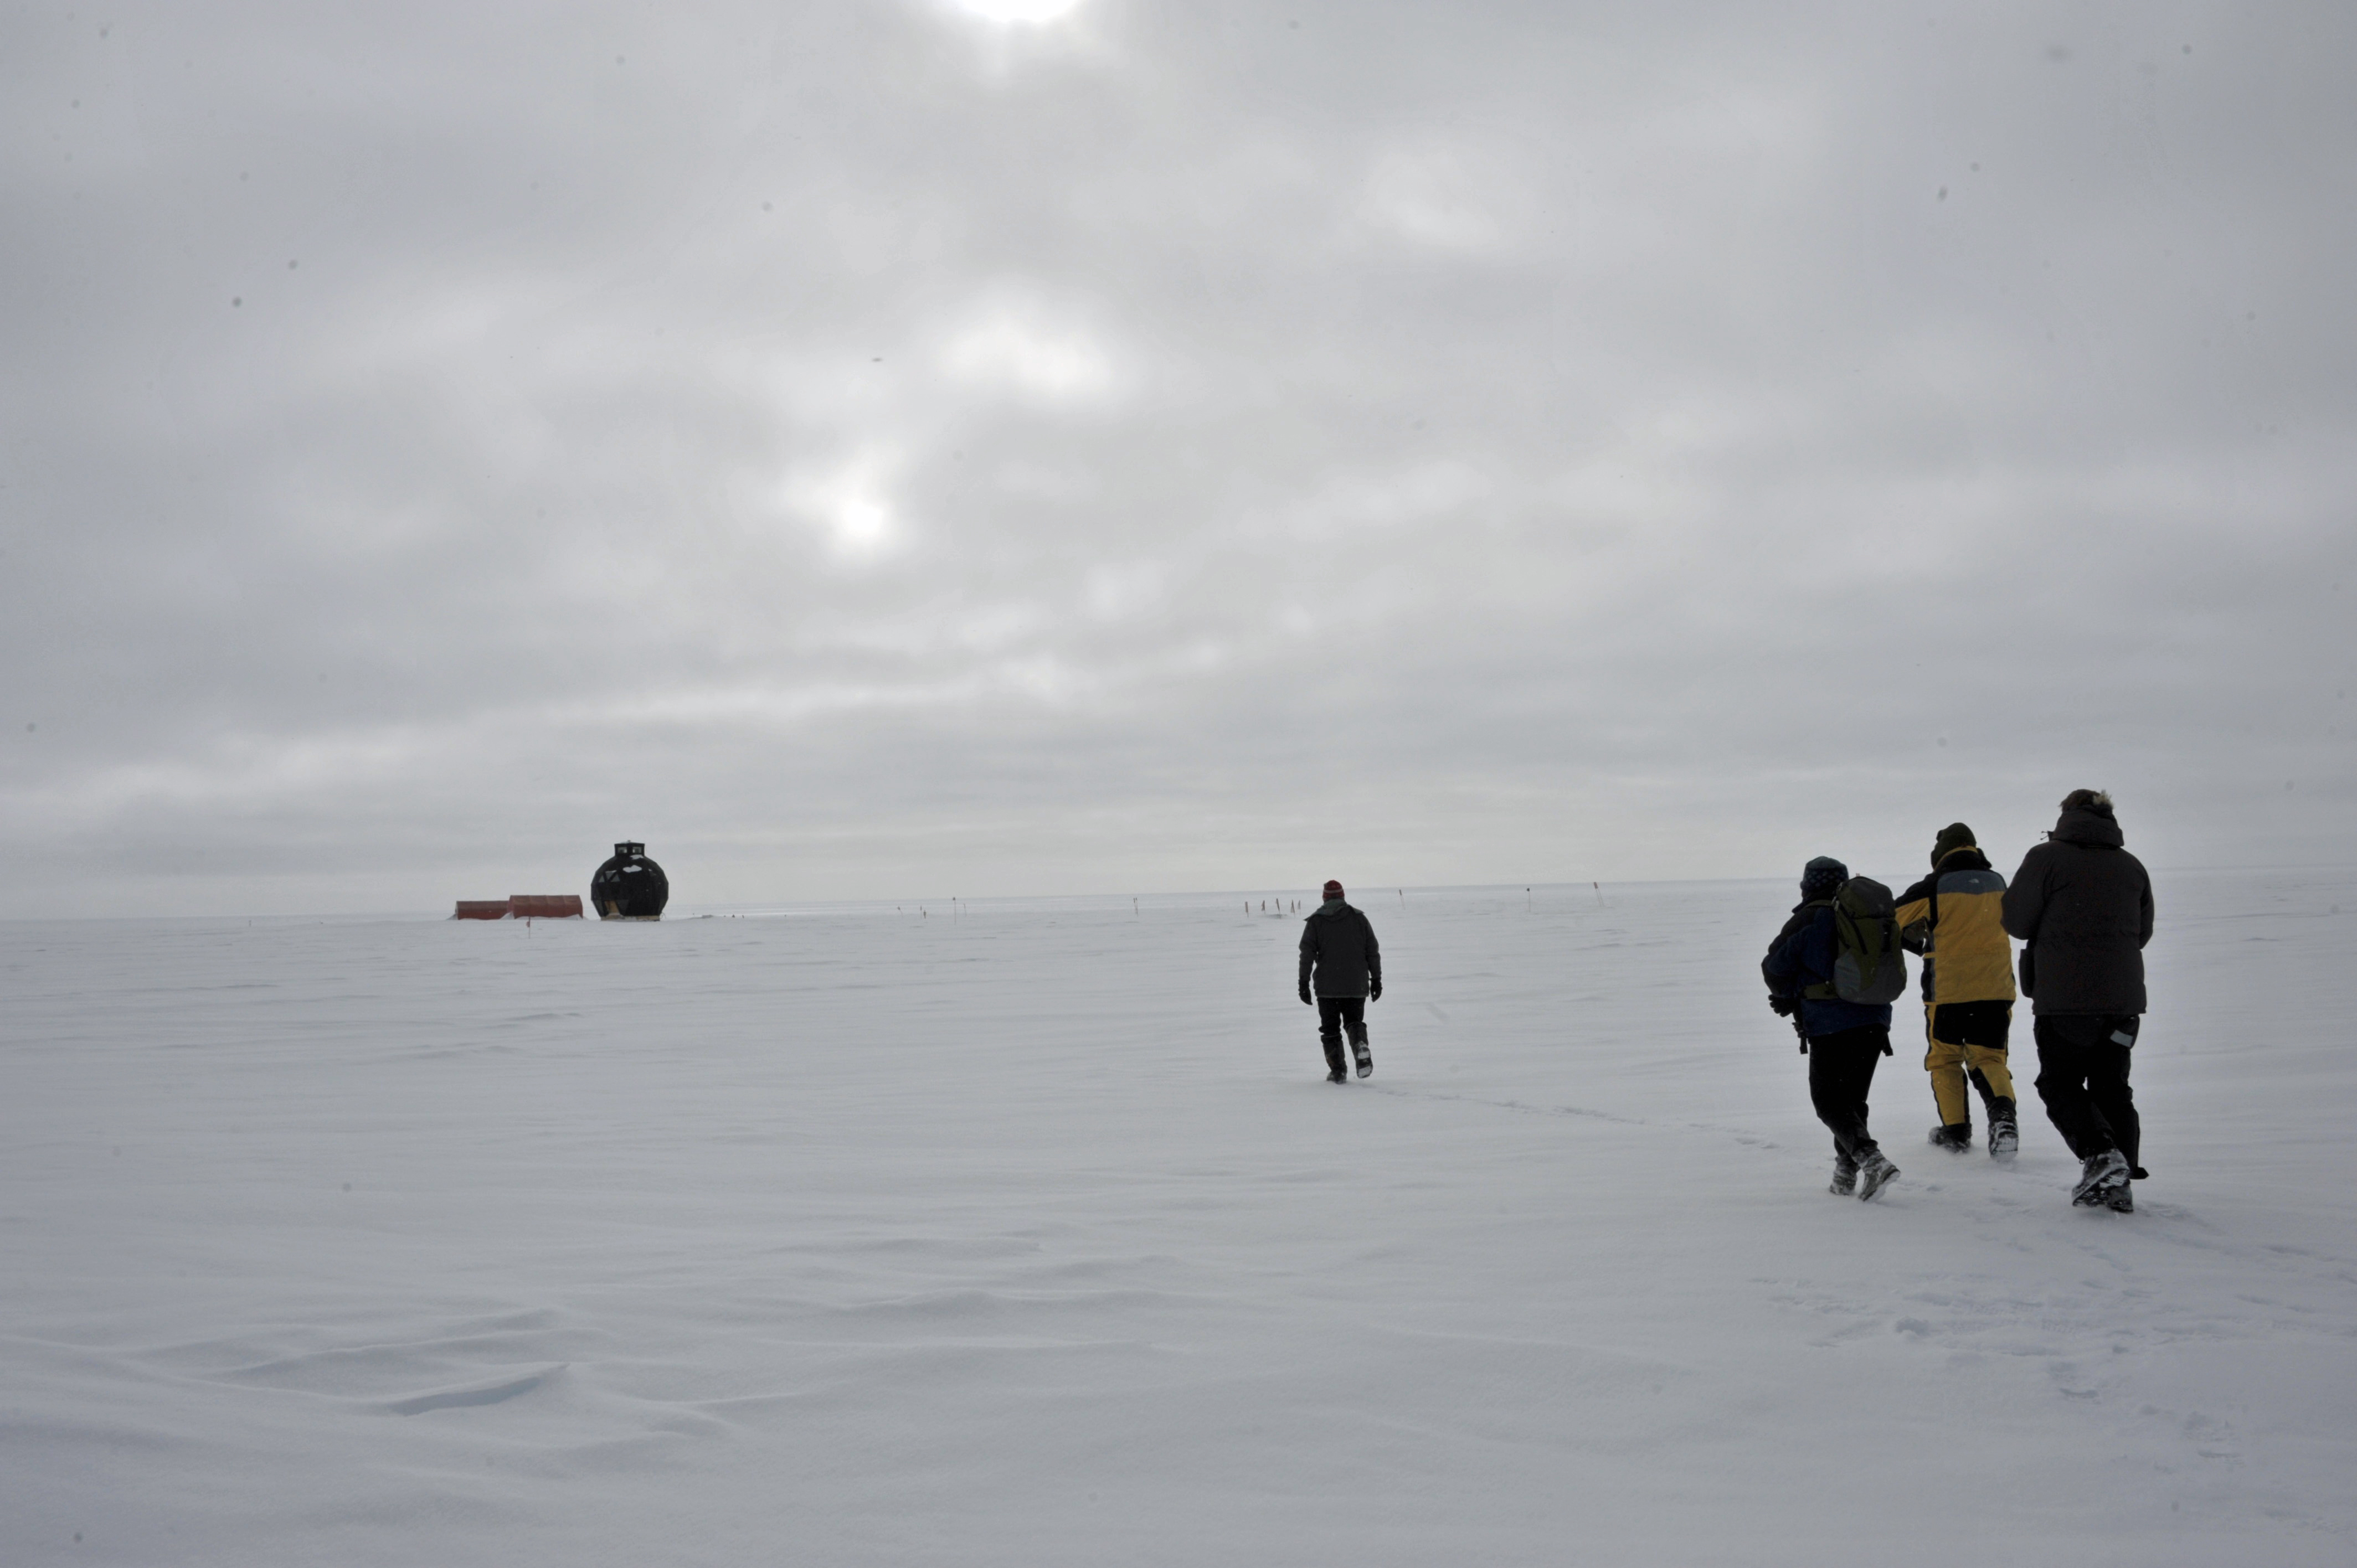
1333	1013
1841	1071
2082	1076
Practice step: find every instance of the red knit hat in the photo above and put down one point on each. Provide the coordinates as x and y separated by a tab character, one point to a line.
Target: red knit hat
1333	890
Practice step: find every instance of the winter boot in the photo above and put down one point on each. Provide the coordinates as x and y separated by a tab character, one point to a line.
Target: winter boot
1955	1136
1338	1075
1875	1172
1366	1058
2005	1133
2099	1176
2119	1199
1844	1182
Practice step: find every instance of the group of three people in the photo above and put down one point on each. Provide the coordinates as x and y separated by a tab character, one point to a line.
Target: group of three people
2081	906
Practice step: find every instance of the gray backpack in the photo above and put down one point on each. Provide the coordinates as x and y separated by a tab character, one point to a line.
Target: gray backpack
1869	966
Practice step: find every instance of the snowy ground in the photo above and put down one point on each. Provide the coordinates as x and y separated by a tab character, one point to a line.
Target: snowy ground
1034	1237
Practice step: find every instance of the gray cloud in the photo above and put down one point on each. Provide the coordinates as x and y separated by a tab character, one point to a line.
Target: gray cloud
861	449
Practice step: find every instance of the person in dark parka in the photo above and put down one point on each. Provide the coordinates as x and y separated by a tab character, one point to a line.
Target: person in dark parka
1845	1040
2082	905
1339	956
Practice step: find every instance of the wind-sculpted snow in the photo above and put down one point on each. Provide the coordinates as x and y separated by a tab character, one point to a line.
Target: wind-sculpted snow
1033	1236
451	1399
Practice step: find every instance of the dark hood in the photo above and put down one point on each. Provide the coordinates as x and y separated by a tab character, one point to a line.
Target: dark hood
1952	837
1968	858
2088	825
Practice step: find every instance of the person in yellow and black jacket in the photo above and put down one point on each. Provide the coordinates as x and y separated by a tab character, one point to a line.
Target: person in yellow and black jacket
1954	919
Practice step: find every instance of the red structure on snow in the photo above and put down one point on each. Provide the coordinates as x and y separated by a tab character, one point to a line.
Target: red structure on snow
545	905
522	907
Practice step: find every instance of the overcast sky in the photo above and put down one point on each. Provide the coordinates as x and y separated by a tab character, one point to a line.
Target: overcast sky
868	448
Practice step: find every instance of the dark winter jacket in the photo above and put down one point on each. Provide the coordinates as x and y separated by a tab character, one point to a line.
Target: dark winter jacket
1952	918
1802	955
2084	906
1338	946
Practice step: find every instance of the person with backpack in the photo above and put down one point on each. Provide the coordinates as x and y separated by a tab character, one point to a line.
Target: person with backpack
1339	955
1837	963
2083	906
1952	918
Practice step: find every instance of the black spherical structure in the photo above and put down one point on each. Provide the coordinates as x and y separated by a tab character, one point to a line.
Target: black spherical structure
630	887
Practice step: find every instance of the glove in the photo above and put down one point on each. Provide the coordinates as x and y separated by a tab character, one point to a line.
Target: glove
1375	991
1781	1006
1306	1000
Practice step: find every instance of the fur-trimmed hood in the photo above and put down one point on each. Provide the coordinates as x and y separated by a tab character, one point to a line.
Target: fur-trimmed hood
2090	822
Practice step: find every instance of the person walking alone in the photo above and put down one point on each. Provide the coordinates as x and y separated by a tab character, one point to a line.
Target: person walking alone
1845	1040
2083	906
1952	918
1339	956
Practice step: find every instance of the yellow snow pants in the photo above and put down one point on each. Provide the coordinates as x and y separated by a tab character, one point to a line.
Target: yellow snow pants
1947	1064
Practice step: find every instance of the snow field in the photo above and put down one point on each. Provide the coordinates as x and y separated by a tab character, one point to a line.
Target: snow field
1034	1236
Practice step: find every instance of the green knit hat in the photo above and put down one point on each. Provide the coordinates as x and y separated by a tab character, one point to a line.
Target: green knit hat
1952	837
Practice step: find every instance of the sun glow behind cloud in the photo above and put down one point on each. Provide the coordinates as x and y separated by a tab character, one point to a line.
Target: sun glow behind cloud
1018	12
850	505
